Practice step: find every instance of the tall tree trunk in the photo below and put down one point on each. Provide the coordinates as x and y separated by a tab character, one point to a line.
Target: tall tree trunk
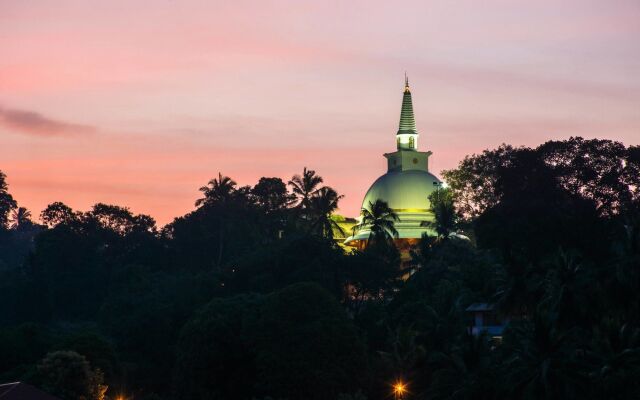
220	243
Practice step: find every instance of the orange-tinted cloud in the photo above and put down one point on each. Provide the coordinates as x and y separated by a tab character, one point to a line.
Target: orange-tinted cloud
33	123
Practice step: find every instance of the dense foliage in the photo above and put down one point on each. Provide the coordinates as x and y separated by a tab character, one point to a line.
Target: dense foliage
250	297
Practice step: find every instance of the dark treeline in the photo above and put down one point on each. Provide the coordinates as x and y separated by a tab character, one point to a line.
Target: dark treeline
250	297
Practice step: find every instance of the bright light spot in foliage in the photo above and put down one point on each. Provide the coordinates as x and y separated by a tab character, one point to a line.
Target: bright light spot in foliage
399	388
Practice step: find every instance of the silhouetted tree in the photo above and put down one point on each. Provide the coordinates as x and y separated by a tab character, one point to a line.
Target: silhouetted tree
602	171
598	170
617	360
542	361
305	186
21	218
69	375
445	218
306	346
58	213
321	206
7	203
380	219
248	297
215	356
218	189
271	195
120	220
465	372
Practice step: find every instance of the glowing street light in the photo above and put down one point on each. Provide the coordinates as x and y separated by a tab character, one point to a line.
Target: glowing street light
399	389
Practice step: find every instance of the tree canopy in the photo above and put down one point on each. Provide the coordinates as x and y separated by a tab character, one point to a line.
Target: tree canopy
249	295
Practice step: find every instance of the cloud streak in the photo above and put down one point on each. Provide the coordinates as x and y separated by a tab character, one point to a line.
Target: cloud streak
36	124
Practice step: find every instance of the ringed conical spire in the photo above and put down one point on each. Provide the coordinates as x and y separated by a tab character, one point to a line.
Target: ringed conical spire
407	119
407	136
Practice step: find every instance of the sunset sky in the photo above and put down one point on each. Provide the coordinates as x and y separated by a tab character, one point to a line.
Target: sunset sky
141	103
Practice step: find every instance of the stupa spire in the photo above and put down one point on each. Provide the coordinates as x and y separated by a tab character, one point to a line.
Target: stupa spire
407	119
407	136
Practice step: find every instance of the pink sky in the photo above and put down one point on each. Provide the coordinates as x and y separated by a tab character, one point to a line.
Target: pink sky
141	103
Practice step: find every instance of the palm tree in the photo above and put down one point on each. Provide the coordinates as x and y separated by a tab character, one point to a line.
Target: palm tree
404	350
220	190
305	186
380	219
217	190
20	218
322	204
446	220
617	350
544	361
569	291
465	372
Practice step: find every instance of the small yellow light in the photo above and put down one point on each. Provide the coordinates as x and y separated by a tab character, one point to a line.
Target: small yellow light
399	388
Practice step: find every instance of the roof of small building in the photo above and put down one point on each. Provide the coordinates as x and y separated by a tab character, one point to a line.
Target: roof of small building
480	307
22	391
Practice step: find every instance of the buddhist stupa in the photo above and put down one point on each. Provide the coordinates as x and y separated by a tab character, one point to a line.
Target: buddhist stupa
407	183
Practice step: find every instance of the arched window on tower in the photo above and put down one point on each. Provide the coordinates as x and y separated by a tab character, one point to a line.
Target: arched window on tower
412	142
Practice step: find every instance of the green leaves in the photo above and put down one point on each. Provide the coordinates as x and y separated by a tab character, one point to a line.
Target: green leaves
380	220
294	343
